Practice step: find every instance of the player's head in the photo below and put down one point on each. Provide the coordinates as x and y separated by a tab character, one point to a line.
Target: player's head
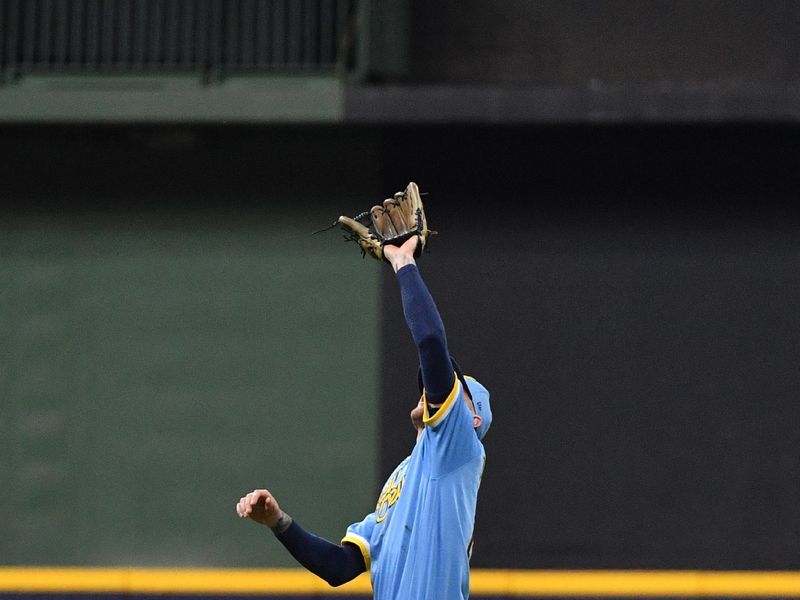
475	395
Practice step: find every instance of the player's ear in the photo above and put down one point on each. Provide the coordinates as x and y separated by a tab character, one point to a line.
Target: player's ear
477	421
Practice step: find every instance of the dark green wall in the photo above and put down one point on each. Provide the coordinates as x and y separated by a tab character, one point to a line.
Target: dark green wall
162	358
629	294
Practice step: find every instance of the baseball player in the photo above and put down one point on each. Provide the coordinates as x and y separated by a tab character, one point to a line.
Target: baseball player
417	542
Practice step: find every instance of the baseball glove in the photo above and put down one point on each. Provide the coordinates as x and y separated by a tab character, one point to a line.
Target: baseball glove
397	220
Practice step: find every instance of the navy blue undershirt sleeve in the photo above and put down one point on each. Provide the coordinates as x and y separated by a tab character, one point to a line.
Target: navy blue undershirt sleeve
335	564
427	330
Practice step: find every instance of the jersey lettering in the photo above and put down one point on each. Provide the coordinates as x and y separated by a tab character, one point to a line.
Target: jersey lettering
391	492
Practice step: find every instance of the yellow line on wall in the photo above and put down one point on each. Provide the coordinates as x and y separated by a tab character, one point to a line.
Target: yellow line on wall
173	581
636	583
496	582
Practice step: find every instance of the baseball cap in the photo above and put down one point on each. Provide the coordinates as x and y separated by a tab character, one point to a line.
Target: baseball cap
478	393
480	398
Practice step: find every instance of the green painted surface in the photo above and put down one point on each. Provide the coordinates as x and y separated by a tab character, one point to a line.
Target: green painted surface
172	99
156	367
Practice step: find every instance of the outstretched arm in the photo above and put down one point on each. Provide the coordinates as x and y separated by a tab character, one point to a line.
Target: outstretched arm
333	563
424	322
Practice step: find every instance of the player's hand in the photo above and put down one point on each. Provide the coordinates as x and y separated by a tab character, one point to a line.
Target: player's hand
260	506
401	256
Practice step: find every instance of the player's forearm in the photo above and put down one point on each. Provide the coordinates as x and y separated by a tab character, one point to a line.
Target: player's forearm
427	329
333	563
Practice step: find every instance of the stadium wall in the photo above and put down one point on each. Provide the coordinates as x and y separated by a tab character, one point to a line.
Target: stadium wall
629	299
172	338
629	295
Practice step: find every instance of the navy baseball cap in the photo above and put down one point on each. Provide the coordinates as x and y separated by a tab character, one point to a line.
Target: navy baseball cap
478	393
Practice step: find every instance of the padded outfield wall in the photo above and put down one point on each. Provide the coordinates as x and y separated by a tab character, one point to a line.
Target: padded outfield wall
174	337
630	296
634	314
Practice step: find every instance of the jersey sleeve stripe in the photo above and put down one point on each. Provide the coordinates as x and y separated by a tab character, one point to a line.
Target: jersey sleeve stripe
363	545
444	410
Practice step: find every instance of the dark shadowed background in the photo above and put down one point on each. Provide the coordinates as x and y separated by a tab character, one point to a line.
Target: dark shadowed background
629	297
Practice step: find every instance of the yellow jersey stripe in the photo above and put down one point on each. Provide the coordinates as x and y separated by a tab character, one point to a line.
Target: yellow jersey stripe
444	409
495	582
362	544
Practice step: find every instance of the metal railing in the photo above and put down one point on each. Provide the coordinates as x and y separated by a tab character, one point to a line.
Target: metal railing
210	38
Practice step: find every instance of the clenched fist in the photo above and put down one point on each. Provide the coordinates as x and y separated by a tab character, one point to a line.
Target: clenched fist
260	506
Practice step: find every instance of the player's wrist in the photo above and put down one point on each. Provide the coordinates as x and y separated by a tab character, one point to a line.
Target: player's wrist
402	260
281	524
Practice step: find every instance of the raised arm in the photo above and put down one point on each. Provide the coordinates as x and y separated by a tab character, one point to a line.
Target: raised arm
424	322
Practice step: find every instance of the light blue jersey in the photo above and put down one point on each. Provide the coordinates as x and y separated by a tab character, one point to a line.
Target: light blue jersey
416	544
